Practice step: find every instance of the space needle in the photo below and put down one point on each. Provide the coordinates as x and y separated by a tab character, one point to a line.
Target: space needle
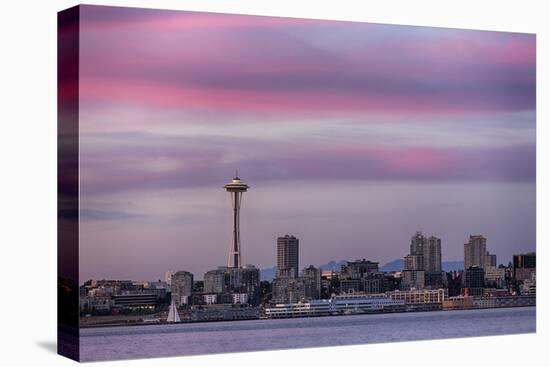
236	188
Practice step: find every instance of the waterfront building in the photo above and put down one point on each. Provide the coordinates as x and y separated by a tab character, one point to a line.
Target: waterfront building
234	280
236	189
210	299
529	286
474	280
181	286
495	277
240	298
350	285
330	283
420	296
524	265
435	280
96	305
358	269
288	290
412	279
287	256
361	276
217	280
506	301
136	300
475	252
374	283
246	280
312	278
458	303
222	312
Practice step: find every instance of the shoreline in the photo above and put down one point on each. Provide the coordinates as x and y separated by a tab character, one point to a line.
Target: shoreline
131	324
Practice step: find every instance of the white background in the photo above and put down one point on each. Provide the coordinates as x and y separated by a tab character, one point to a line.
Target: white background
28	182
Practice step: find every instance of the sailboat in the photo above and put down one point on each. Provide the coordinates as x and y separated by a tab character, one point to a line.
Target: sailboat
173	315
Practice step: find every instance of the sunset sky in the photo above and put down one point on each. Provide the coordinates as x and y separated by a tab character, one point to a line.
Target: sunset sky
352	137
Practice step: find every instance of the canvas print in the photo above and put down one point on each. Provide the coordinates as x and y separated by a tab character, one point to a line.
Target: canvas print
233	183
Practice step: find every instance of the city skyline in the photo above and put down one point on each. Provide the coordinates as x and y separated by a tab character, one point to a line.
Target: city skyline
365	148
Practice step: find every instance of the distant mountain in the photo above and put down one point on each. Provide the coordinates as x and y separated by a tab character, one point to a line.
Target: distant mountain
394	265
452	265
397	265
333	265
268	274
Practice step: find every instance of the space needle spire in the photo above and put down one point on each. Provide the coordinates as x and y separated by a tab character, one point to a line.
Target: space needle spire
236	188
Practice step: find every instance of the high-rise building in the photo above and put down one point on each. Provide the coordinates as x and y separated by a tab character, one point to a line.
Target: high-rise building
422	267
525	260
312	276
432	255
287	256
418	242
181	286
475	252
524	266
236	188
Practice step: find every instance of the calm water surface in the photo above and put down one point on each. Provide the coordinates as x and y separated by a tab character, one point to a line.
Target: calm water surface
237	336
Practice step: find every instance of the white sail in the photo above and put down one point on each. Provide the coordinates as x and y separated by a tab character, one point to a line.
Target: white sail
173	315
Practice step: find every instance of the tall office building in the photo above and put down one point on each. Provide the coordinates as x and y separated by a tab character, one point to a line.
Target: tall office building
418	242
181	286
475	252
432	255
287	256
425	253
422	267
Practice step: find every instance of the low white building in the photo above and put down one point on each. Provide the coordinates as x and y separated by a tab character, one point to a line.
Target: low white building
420	296
210	299
240	298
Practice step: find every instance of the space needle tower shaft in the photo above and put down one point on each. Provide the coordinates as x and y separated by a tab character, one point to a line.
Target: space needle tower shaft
236	188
